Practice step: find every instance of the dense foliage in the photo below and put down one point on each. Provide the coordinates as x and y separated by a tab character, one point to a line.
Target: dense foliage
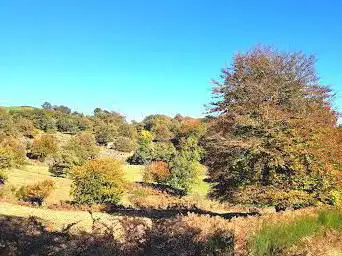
157	172
123	144
275	130
98	181
44	146
12	153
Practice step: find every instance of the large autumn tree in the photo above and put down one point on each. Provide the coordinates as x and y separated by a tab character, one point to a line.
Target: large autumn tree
274	138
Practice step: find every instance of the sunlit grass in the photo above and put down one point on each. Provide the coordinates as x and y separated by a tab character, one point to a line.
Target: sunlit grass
134	173
57	218
273	239
38	172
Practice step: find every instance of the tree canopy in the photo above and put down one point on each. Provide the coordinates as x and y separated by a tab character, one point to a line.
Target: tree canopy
275	128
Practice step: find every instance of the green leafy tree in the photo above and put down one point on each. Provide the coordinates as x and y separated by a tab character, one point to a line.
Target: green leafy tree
44	146
105	133
190	149
47	106
83	147
163	151
159	126
98	181
123	144
183	173
128	131
43	120
66	124
145	152
63	163
12	153
274	129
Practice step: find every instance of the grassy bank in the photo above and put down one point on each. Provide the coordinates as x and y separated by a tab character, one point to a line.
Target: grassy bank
274	239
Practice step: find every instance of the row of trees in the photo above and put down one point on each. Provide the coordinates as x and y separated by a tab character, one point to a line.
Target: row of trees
272	138
174	142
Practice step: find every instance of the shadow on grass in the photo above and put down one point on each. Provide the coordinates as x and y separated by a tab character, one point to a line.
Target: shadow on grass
163	188
170	212
30	236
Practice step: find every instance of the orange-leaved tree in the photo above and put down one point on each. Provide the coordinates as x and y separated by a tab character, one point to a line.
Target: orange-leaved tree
275	130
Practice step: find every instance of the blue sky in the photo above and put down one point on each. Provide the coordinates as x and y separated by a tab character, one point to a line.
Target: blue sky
143	57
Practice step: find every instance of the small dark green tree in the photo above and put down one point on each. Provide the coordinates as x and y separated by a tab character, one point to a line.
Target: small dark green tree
123	144
183	173
66	124
144	153
105	133
163	151
63	163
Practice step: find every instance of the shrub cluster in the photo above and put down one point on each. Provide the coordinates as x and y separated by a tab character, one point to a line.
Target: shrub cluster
44	146
12	153
123	144
98	181
36	193
156	172
78	150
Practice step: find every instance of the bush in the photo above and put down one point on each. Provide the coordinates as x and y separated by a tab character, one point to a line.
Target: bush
12	153
44	146
281	199
163	151
36	193
83	146
62	164
67	125
98	181
105	134
156	172
192	235
143	155
7	127
3	177
123	144
5	159
183	173
43	120
26	127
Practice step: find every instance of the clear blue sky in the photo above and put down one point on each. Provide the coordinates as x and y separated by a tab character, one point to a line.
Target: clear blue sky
142	57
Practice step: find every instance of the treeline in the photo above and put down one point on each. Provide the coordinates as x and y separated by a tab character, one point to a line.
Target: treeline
169	147
273	138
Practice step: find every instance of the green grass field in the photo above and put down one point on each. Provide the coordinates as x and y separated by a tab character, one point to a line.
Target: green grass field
57	219
37	172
